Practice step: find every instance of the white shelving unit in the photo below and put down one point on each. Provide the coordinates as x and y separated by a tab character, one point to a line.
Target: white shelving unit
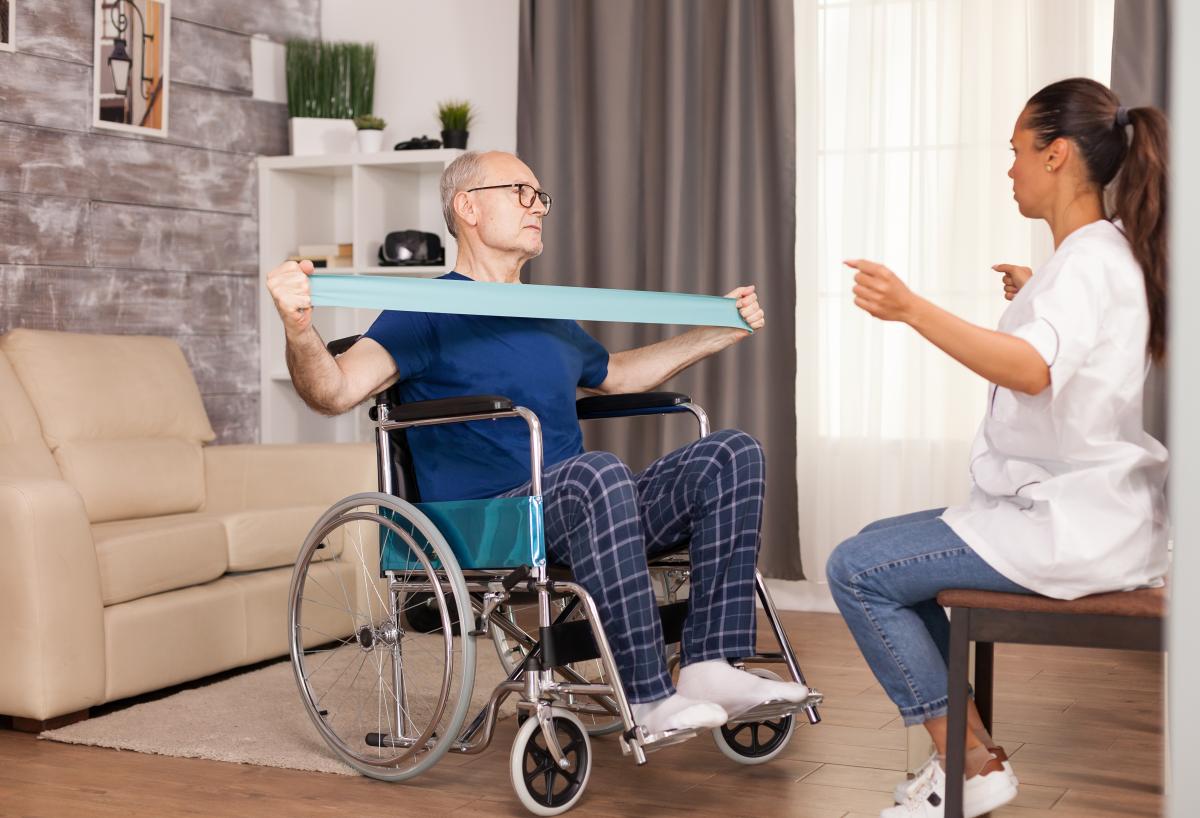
356	198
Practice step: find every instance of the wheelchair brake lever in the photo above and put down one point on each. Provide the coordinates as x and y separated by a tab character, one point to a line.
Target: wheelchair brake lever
497	594
494	598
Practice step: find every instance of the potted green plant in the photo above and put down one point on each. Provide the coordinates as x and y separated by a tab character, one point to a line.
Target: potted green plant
456	117
328	84
370	133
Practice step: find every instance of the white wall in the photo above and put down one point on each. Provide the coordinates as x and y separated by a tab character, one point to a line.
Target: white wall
427	52
1183	797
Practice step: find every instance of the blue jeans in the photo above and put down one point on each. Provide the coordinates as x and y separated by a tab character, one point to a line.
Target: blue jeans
885	581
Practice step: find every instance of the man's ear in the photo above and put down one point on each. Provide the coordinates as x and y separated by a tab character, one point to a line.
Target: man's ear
464	208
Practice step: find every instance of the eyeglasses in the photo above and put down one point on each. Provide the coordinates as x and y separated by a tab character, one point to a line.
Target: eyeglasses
525	193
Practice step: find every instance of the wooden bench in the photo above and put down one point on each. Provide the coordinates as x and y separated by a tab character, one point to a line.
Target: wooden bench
1129	620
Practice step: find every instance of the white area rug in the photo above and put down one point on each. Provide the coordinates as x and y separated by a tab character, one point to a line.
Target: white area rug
253	718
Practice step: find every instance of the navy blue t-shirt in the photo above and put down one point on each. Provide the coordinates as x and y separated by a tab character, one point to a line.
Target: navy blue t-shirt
536	362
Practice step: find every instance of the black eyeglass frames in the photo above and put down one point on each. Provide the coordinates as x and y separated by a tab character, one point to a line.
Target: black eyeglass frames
525	193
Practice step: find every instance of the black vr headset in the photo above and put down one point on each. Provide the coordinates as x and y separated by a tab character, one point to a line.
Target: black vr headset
411	247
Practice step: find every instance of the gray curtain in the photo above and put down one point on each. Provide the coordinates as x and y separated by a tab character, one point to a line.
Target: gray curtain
665	130
1141	62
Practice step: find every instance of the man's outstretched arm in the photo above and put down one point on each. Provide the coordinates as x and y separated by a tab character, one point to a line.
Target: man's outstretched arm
645	368
329	385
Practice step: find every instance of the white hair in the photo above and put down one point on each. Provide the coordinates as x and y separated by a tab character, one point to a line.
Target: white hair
464	172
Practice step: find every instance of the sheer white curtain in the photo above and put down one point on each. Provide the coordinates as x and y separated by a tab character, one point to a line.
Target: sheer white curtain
905	109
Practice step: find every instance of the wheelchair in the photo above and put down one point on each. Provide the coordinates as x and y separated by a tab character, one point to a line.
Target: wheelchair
391	598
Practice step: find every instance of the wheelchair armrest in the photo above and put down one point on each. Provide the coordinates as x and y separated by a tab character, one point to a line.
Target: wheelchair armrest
339	346
636	403
462	407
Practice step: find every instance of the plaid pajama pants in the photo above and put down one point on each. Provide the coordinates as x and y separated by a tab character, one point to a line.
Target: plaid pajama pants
603	521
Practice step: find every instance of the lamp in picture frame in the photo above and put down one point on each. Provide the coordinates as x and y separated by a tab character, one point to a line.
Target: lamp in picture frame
121	65
130	83
120	54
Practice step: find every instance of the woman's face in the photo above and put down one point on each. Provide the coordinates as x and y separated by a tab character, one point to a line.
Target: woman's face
1032	184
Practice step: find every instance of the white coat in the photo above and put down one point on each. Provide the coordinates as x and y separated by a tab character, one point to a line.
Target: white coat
1066	486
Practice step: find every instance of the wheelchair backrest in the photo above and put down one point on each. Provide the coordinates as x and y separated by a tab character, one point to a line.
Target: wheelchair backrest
404	472
400	460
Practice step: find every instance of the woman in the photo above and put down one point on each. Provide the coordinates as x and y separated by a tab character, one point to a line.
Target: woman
1067	488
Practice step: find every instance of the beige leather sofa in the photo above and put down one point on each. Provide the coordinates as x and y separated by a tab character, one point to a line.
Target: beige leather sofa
132	555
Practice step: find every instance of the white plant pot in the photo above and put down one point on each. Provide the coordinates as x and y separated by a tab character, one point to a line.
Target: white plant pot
370	141
312	135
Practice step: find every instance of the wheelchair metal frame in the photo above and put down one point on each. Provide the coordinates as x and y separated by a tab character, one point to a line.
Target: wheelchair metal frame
534	680
546	670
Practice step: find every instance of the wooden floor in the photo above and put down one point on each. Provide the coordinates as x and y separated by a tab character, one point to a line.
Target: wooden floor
1083	727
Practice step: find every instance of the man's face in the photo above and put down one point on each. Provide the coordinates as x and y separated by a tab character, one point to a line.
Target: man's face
503	223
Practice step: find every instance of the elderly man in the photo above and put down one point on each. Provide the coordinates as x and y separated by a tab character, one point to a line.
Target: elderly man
600	518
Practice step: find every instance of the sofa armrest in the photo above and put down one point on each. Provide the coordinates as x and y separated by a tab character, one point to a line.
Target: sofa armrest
51	614
261	476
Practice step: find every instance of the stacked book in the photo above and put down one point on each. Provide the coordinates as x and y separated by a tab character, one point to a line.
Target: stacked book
325	255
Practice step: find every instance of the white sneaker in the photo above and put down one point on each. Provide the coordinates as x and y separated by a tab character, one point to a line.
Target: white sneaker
926	798
901	791
998	752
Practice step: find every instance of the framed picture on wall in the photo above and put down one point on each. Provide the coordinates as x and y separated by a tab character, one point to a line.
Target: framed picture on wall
132	59
8	17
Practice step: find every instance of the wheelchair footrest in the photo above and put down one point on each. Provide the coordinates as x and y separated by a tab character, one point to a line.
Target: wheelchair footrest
776	710
657	741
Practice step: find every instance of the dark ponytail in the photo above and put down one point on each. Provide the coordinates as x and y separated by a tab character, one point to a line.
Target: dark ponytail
1091	116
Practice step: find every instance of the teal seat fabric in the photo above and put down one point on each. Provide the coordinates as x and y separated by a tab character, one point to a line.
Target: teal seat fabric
505	532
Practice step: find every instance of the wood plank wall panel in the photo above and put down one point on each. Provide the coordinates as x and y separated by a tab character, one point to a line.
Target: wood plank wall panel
210	57
233	417
219	121
45	92
61	29
106	232
142	302
217	361
119	169
169	239
281	19
44	230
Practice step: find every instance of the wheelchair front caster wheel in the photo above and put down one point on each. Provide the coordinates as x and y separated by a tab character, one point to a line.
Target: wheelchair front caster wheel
755	742
542	786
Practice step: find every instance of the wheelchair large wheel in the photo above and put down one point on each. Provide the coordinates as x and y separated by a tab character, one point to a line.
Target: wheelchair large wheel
512	653
387	700
755	742
543	787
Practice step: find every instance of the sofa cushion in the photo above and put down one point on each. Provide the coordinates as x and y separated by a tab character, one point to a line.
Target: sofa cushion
268	538
122	415
134	478
143	557
23	452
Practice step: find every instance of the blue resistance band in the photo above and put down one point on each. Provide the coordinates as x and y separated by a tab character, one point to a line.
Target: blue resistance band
524	300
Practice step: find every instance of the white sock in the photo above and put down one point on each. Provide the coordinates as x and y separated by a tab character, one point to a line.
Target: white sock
735	690
678	712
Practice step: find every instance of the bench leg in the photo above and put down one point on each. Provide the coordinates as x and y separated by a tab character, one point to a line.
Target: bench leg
956	728
984	673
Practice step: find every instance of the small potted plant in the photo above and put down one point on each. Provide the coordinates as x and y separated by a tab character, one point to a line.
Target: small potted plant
370	133
456	117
